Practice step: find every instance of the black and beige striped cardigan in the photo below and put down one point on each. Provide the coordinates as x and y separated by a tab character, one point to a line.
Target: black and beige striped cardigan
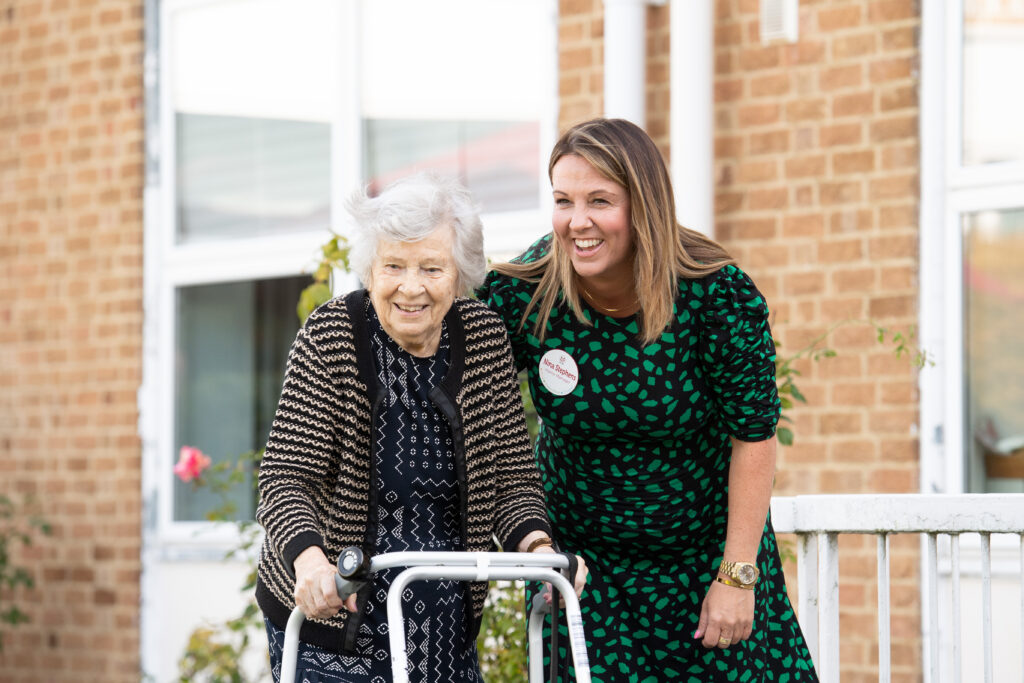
316	483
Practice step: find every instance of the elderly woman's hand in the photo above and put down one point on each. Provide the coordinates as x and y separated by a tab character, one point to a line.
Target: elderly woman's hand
315	591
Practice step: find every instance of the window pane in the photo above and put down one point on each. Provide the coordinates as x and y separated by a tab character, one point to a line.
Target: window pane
254	86
470	101
994	347
232	345
497	160
993	59
244	176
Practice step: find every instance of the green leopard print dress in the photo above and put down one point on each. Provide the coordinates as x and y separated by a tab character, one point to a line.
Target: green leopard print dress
635	462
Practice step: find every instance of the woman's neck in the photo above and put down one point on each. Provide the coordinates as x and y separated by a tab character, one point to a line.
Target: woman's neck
612	297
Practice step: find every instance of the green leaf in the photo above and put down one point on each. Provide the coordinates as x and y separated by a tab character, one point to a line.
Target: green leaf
312	296
785	435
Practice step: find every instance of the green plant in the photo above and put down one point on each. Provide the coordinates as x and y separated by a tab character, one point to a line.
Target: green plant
214	651
333	258
18	524
502	640
786	373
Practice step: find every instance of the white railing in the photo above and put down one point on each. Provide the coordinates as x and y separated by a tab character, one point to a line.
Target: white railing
819	520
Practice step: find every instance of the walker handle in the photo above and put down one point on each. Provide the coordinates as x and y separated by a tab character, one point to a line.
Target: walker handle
353	571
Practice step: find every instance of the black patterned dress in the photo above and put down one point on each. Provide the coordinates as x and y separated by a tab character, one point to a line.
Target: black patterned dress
634	454
418	503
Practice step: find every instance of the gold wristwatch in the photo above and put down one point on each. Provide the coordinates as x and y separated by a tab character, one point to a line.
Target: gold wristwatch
743	573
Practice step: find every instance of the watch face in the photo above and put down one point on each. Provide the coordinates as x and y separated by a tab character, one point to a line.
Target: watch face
747	574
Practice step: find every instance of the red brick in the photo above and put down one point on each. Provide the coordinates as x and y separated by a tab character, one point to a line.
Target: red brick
808	109
880	11
804	167
796	284
861	161
854	46
901	38
834	18
902	156
895	69
807	225
841	251
902	216
853	280
850	220
842	134
770	85
841	193
757	171
855	104
759	115
759	58
770	142
897	98
839	77
770	199
893	187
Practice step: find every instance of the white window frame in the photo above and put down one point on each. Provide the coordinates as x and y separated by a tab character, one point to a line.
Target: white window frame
170	265
948	190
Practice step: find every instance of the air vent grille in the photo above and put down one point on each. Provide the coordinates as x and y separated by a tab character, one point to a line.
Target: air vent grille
779	21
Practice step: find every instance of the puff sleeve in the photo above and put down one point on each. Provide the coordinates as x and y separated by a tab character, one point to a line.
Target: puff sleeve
737	353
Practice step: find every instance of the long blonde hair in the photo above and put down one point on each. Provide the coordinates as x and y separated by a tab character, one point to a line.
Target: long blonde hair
665	251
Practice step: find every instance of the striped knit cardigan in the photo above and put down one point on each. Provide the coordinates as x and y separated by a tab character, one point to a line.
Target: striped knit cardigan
317	483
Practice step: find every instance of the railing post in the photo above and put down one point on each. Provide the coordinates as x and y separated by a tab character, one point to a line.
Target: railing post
828	592
986	603
884	628
932	637
954	555
807	574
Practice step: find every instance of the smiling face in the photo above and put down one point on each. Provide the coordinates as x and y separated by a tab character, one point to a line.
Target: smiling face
591	222
412	286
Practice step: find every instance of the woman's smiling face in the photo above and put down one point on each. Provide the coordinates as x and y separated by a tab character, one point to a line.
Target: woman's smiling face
591	221
412	286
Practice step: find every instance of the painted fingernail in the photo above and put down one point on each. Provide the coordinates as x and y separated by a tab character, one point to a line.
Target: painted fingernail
697	634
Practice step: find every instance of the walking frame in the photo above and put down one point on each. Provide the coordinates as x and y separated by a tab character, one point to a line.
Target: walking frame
354	570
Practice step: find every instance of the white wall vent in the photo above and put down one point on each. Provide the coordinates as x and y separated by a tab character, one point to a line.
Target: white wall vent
779	21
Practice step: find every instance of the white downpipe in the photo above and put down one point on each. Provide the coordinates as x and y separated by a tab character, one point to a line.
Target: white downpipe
692	100
625	59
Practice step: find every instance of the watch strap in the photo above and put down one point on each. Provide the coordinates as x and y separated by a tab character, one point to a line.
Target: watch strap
734	584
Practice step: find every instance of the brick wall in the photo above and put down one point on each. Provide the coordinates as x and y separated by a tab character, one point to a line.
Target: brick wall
817	195
581	66
71	177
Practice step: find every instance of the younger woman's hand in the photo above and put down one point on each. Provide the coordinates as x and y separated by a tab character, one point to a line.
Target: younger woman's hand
726	616
579	582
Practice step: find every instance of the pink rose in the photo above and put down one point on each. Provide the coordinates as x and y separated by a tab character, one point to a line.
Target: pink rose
191	463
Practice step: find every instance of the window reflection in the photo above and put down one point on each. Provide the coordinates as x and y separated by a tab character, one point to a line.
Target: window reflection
232	345
245	177
994	347
497	160
993	59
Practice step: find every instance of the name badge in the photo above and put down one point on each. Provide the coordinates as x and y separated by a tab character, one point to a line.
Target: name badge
558	372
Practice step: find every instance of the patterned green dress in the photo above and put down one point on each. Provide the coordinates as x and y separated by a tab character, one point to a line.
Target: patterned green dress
634	453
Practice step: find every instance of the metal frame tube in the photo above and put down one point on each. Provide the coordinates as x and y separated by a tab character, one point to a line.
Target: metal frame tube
459	566
535	636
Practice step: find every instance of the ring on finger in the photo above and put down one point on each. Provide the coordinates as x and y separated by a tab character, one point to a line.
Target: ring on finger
724	642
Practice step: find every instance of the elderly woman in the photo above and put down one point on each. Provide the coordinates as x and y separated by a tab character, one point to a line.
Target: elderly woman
399	427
